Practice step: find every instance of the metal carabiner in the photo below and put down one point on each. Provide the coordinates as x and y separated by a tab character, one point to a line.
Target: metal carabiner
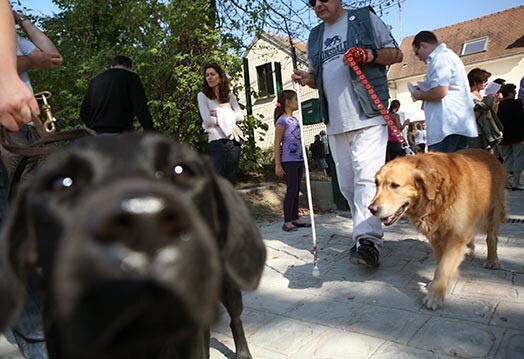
50	121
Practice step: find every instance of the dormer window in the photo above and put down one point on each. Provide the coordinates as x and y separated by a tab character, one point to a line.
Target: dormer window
474	46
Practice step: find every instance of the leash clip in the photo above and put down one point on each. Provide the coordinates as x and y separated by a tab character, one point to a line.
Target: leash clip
50	121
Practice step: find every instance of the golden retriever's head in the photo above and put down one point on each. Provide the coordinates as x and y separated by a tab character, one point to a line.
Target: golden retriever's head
403	186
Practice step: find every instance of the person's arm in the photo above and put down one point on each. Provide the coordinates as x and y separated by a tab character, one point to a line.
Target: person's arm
387	51
385	56
45	56
433	95
405	124
239	116
205	112
279	134
305	78
396	120
140	107
16	100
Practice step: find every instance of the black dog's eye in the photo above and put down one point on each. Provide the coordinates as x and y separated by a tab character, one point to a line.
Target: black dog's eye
395	185
182	173
61	183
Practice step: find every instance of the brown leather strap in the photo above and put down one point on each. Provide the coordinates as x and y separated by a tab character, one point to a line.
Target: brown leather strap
43	146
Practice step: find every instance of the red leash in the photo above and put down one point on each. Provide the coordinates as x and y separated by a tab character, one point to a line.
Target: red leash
355	57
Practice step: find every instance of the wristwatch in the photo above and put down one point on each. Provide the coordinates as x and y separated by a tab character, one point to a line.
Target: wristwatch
375	55
21	19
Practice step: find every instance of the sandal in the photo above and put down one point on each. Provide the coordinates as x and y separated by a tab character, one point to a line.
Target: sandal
301	224
289	229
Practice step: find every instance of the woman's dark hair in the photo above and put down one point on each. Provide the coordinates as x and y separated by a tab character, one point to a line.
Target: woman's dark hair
395	104
478	76
281	102
508	89
223	87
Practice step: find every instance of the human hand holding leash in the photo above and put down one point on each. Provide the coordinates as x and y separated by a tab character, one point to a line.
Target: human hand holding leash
16	100
16	103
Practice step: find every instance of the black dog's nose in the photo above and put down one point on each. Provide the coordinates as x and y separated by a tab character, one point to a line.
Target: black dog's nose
373	209
136	217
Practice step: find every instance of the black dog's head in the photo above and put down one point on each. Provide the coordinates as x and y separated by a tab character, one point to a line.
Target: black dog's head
132	234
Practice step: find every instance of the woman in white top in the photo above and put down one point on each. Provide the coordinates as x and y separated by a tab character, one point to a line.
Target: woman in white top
220	112
420	136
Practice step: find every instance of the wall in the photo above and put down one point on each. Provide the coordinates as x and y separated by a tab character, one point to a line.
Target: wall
509	68
261	53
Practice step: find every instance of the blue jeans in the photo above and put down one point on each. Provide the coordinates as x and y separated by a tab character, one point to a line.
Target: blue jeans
451	143
28	332
226	157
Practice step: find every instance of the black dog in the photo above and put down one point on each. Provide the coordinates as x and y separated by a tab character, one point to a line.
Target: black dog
136	239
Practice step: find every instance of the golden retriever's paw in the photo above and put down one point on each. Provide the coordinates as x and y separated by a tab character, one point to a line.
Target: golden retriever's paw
489	264
433	301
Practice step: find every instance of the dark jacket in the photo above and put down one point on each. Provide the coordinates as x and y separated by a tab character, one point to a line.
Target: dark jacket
112	100
511	114
317	150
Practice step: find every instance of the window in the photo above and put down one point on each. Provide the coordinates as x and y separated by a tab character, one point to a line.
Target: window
474	46
265	80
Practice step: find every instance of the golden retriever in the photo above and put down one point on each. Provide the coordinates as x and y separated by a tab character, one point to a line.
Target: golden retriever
449	197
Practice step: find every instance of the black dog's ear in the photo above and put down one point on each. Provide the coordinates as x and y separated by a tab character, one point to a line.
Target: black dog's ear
17	251
243	250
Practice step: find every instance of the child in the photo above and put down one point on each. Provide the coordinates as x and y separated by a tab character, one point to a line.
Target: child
289	160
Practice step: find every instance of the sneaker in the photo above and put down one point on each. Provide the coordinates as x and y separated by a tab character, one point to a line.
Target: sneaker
367	254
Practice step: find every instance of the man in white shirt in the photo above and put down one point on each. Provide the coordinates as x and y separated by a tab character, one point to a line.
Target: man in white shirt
448	106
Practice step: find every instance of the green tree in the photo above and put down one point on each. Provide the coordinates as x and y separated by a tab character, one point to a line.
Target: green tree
168	41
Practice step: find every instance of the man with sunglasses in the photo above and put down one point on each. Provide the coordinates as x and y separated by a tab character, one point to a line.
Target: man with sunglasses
356	130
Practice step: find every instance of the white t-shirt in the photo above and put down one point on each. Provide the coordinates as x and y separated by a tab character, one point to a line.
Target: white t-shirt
421	137
24	48
344	109
210	124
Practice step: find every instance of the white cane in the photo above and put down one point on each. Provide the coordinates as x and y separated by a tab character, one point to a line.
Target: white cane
316	271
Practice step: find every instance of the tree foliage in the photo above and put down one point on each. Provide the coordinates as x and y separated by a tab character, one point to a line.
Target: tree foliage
169	42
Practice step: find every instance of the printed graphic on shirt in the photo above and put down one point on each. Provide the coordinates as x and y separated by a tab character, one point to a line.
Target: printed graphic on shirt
294	145
333	48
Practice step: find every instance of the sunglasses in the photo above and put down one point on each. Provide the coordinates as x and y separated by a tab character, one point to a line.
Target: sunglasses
313	2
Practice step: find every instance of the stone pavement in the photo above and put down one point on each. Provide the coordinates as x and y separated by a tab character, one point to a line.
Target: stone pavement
353	312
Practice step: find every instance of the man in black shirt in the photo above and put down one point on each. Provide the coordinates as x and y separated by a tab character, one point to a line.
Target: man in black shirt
113	98
318	154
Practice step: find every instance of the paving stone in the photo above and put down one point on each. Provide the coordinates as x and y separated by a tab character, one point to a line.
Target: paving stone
337	343
512	346
394	350
462	339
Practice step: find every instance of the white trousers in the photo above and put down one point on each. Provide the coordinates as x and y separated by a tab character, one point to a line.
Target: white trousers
358	155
